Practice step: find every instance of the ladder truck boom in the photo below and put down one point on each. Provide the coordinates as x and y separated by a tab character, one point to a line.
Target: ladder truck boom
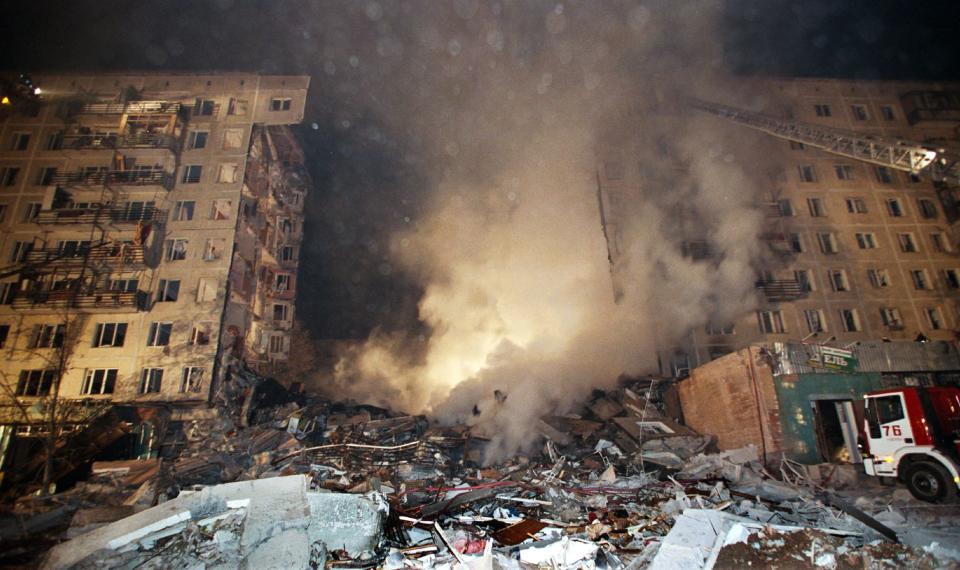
908	156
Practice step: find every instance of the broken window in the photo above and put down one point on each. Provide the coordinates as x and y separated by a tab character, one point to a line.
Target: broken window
35	382
168	291
850	320
280	104
159	334
232	139
228	173
176	249
237	107
201	333
191	379
213	249
183	210
109	334
222	209
771	322
99	381
879	278
151	380
891	318
207	290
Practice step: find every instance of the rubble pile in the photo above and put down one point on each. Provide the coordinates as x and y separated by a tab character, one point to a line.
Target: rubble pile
277	480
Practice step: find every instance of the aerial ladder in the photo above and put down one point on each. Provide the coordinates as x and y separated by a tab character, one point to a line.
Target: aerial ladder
936	163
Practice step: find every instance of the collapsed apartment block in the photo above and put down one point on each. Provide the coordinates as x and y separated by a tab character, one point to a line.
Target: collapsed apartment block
123	198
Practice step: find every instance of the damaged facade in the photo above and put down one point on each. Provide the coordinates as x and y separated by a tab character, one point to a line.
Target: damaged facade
123	197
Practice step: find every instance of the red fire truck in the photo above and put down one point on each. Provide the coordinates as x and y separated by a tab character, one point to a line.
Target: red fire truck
913	434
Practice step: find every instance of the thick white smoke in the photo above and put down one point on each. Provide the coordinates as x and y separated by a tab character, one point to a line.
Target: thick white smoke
514	102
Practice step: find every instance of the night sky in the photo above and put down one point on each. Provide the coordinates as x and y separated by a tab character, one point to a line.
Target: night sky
365	189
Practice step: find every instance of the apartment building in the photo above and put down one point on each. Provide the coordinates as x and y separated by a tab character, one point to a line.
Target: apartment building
853	251
122	197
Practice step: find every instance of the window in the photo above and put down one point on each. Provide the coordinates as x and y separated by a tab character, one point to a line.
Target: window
47	336
46	175
796	243
237	107
887	113
99	381
286	253
150	380
952	277
920	281
30	211
109	334
204	107
159	334
280	104
883	174
128	285
802	276
816	207
281	282
815	321
176	249
859	112
914	178
894	208
794	145
278	344
232	139
940	242
838	280
843	171
280	312
771	322
8	175
7	292
228	173
213	249
19	141
856	206
221	210
907	243
928	210
4	333
850	320
785	208
191	380
136	211
888	409
197	140
720	330
933	318
200	335
192	173
3	212
866	240
168	291
207	290
807	173
891	318
183	210
286	226
828	242
879	278
822	110
35	382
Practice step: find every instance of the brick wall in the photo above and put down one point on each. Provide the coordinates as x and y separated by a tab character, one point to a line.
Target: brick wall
719	399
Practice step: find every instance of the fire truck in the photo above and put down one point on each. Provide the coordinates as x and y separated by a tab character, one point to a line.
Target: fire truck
913	435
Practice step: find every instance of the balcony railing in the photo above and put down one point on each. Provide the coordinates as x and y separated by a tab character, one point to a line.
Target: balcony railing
131	108
120	255
101	299
149	177
782	289
101	215
117	141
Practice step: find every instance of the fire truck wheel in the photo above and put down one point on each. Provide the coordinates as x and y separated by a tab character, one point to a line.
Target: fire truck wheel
928	481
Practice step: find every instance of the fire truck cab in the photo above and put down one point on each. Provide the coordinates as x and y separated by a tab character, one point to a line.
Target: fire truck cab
913	434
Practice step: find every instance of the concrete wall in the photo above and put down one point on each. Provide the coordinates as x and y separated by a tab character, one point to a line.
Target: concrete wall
720	398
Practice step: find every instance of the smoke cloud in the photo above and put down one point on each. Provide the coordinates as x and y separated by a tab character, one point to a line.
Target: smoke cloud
511	103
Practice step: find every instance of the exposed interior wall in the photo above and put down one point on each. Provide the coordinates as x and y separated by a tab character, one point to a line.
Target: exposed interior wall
733	398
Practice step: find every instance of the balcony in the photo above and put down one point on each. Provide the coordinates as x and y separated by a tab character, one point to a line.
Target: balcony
96	300
103	215
145	177
117	142
122	256
931	106
782	289
130	108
